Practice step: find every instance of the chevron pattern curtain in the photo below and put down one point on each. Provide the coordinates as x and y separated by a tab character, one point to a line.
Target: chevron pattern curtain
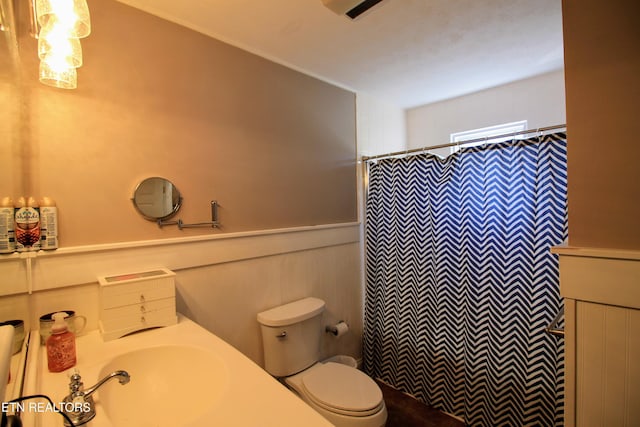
460	282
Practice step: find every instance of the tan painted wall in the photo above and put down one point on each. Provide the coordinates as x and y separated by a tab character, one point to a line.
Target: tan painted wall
602	69
275	147
539	100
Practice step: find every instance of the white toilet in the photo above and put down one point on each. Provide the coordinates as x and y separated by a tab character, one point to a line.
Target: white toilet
291	336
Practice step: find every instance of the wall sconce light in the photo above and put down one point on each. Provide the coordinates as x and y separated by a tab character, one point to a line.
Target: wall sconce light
62	24
6	15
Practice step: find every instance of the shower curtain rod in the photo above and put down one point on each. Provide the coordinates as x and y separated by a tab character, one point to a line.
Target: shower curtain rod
468	141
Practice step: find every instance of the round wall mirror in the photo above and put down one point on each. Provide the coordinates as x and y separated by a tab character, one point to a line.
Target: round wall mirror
156	198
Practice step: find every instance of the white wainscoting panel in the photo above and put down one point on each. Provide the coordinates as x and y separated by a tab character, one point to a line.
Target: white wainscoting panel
608	366
601	288
222	281
83	264
13	274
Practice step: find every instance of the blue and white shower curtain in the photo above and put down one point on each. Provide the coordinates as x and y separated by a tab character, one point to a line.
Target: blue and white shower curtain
460	281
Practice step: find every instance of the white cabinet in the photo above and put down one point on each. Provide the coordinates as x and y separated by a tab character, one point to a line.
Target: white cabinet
132	302
602	336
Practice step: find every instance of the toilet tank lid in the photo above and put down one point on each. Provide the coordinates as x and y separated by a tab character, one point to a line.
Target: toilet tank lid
292	312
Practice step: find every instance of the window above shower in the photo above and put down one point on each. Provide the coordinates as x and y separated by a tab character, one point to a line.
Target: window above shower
491	134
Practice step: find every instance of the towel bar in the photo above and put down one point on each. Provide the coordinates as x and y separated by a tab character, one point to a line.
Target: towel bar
553	328
213	223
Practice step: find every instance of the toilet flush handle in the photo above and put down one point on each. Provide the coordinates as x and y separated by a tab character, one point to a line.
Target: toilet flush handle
282	334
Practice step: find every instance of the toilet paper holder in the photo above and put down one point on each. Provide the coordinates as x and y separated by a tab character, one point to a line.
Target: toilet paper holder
337	328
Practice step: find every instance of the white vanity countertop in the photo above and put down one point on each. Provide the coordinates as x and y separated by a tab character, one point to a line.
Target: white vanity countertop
250	396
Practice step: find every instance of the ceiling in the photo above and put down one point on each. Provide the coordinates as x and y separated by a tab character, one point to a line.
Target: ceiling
404	52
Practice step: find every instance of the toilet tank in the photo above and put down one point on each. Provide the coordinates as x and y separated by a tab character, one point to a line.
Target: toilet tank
291	336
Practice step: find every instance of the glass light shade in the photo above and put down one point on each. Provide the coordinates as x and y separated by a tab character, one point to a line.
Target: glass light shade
73	15
58	74
54	42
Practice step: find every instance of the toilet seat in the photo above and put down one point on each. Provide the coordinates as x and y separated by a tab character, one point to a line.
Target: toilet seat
343	390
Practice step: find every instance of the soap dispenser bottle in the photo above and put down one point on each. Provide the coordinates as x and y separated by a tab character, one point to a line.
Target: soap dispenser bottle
61	345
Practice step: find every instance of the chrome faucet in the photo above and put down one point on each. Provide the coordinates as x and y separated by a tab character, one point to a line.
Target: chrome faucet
79	405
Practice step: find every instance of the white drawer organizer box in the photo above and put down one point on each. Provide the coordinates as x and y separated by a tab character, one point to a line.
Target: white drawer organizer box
136	301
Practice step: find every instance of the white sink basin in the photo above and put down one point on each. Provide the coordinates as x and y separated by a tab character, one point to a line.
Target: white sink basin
181	375
167	377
